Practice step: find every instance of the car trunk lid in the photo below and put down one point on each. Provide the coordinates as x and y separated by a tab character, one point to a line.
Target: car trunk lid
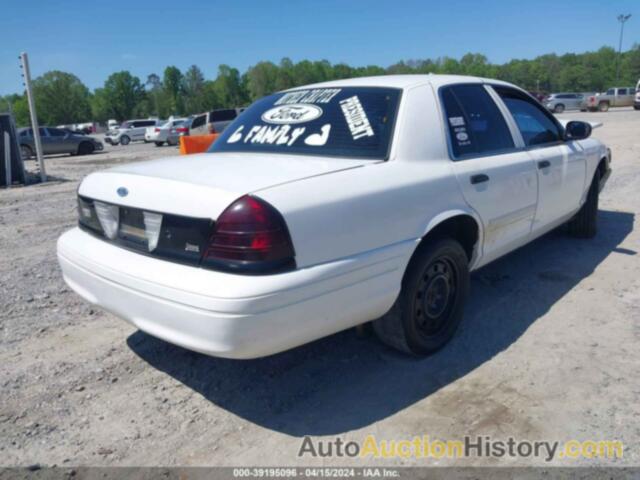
203	185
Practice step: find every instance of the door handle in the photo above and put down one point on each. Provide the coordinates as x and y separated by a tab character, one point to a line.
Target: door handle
480	178
544	164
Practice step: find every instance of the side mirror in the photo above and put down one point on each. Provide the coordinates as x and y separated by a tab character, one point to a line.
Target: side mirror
576	130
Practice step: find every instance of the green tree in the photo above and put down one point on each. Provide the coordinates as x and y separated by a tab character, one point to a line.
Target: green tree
61	98
119	98
228	88
172	85
193	85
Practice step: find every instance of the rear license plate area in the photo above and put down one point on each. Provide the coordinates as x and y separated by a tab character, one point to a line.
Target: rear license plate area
132	229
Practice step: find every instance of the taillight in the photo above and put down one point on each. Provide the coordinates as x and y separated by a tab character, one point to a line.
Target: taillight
250	236
212	129
156	130
182	129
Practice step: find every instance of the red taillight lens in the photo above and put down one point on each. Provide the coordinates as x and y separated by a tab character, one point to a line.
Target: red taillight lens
182	129
250	236
156	130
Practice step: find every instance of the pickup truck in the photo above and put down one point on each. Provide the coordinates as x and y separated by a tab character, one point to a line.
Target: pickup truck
325	207
614	97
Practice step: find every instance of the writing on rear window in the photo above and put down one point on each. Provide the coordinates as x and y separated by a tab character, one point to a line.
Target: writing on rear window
339	122
322	95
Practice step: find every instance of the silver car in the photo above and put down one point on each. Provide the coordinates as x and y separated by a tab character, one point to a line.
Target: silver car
55	141
559	102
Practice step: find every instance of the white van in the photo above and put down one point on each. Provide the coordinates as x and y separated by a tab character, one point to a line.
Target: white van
213	122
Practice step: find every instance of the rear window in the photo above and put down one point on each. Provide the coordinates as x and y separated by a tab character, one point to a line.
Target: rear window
223	115
341	122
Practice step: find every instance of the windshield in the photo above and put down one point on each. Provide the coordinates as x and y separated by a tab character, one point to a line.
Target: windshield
340	122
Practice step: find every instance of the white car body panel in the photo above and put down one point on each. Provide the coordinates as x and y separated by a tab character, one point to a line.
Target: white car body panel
354	224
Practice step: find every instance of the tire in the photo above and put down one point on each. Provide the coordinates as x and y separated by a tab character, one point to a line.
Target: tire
603	106
85	148
558	108
159	144
172	143
439	271
635	107
26	152
585	223
125	140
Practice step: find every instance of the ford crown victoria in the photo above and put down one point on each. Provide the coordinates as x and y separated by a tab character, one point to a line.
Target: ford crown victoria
329	206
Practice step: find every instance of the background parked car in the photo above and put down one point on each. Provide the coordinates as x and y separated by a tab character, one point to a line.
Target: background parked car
614	97
55	141
130	131
213	122
112	124
559	102
167	132
636	102
179	131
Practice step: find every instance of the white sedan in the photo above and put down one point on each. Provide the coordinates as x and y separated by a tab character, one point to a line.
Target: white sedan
325	207
168	132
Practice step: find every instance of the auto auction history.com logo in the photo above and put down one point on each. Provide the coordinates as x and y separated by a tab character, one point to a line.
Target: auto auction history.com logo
479	446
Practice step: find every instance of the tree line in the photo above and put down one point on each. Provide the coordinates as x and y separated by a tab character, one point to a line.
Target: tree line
61	97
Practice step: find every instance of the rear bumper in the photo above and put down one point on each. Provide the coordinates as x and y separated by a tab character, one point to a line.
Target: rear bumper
227	315
155	137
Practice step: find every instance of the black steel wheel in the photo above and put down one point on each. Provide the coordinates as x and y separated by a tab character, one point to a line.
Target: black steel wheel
431	302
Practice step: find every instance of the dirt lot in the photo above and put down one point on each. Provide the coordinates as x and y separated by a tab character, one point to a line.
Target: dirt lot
548	350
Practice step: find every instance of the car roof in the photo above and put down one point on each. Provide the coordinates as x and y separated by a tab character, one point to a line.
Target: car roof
402	81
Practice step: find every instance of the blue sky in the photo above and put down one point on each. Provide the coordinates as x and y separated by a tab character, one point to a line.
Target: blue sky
95	38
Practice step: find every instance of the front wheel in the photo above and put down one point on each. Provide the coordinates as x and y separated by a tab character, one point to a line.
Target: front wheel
559	108
603	107
585	223
124	140
85	148
430	306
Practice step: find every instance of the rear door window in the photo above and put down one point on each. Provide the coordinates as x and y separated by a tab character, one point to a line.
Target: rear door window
352	122
536	124
476	125
622	91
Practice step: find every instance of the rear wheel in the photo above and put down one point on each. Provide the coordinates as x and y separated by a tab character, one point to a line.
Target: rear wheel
26	152
585	223
85	148
430	306
159	144
124	140
172	141
559	108
603	106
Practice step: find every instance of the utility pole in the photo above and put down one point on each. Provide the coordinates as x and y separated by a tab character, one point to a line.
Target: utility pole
34	118
622	19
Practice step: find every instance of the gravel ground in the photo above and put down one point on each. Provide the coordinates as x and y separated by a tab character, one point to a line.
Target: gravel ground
548	350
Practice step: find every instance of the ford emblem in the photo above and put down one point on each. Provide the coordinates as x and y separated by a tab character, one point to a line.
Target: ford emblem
123	192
